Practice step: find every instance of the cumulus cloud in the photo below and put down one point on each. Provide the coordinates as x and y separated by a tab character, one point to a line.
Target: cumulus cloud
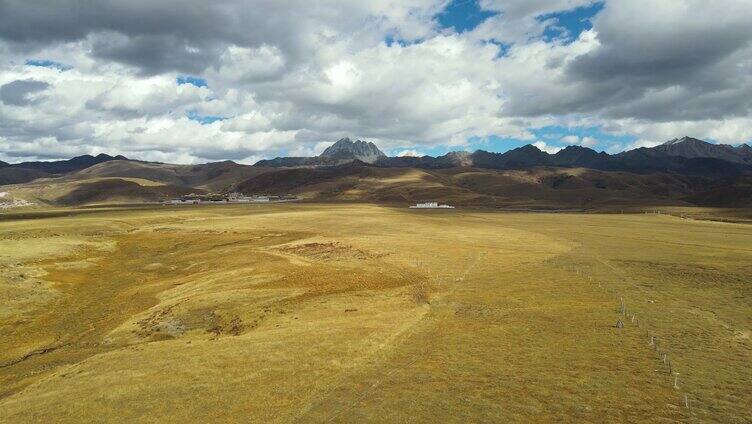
409	153
520	20
686	59
543	146
580	141
191	35
19	92
290	77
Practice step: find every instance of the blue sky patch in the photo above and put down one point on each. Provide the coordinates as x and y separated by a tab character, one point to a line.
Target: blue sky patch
46	63
489	144
496	144
551	135
463	15
203	119
390	40
503	47
571	23
186	79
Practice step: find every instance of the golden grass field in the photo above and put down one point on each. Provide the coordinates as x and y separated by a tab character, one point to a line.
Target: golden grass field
361	313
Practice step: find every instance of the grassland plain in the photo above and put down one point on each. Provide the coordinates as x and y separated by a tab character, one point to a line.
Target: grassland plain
358	313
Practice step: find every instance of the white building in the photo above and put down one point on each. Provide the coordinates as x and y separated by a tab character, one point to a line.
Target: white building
431	205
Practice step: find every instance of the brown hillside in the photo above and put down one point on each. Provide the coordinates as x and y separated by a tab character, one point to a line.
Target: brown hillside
119	191
20	175
541	187
216	176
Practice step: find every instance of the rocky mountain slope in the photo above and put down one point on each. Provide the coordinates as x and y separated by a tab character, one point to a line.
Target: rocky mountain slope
351	150
688	147
343	151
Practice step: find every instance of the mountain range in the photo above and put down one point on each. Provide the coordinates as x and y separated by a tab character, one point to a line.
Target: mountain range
687	156
684	171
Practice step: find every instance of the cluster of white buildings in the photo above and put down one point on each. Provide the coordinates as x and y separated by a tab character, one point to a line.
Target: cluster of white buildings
6	202
263	198
241	198
195	199
431	205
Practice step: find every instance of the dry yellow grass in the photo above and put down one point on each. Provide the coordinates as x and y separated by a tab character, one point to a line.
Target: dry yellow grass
352	313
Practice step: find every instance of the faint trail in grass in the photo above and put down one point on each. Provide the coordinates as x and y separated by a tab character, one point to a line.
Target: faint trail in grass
36	352
404	335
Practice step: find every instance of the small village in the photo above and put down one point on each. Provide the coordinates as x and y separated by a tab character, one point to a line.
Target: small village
234	197
430	205
8	202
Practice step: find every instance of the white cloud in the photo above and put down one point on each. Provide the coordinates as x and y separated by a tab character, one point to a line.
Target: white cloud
519	20
246	65
620	147
589	142
409	153
571	139
541	145
580	141
729	131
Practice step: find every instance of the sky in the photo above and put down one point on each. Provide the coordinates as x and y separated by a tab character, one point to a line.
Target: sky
192	81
